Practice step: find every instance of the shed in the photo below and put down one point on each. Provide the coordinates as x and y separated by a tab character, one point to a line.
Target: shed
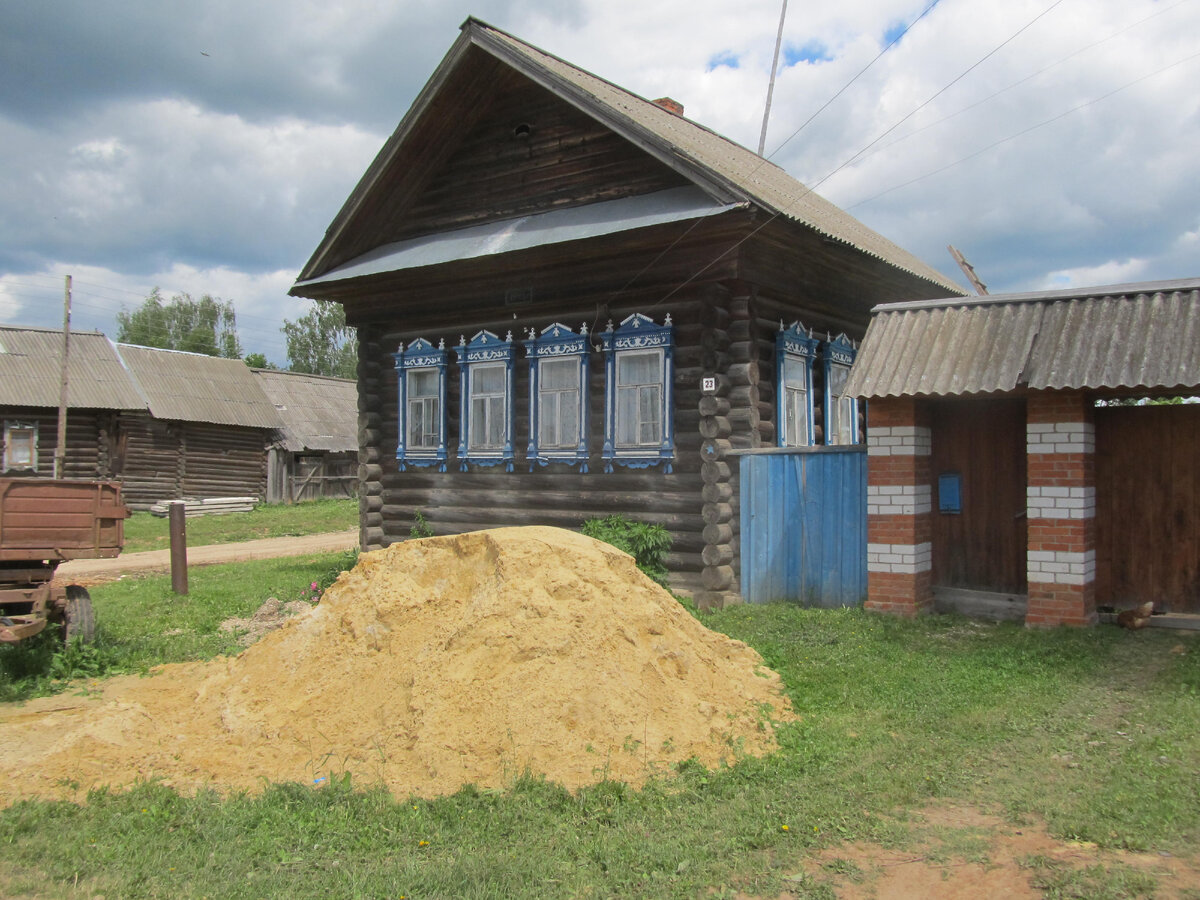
315	454
572	301
1030	455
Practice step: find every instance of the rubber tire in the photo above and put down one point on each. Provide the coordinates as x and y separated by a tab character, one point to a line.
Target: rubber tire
79	620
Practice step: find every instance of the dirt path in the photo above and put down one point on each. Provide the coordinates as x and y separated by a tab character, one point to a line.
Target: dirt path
92	571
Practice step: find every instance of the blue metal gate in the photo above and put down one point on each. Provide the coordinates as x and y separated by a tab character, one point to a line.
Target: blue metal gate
804	526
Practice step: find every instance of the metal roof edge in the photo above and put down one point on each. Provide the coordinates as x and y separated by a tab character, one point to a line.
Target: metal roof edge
1079	293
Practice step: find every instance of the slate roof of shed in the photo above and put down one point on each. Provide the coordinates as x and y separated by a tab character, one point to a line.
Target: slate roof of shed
318	412
31	370
191	387
1126	336
728	172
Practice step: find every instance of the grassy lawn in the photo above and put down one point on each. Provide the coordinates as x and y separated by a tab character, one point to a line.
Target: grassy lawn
144	531
1095	731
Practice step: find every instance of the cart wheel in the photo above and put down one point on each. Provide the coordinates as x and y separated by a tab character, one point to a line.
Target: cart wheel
79	621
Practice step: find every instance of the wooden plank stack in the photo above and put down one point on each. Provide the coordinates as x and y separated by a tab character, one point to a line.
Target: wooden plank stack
214	506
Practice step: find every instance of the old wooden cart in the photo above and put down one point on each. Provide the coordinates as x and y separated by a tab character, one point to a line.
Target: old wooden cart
43	523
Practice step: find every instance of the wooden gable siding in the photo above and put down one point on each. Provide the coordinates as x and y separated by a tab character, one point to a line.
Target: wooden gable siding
566	159
174	460
87	445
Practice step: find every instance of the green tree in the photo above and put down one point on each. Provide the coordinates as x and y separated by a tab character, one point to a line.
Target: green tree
320	342
258	361
207	325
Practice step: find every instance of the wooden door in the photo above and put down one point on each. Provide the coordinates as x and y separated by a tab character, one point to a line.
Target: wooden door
983	546
1148	507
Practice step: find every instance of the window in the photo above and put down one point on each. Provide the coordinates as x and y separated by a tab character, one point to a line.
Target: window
795	350
485	368
638	400
558	377
422	375
20	445
841	412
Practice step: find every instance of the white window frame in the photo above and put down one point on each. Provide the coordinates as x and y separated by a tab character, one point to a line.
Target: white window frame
484	352
840	410
638	335
11	430
421	358
794	348
558	345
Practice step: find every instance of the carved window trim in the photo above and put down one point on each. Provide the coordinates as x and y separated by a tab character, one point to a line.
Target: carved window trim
795	353
420	359
638	335
485	351
557	344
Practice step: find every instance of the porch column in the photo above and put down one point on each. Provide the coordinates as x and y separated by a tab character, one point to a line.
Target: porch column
1060	439
899	507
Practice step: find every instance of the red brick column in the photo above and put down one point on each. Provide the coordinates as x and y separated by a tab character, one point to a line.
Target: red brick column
899	507
1060	438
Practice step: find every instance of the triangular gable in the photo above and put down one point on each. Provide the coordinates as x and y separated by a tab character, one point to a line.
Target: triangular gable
479	59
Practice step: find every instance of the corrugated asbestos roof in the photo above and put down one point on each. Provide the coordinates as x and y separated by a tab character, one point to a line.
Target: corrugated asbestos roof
31	371
728	172
191	387
318	413
1122	336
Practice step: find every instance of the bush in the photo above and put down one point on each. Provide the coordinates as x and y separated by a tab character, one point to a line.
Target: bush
647	544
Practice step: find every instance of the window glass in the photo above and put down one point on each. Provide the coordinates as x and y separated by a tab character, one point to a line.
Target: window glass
424	414
558	394
20	447
842	414
487	407
639	399
795	403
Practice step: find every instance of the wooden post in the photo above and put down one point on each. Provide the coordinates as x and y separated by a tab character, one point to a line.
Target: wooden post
178	527
60	451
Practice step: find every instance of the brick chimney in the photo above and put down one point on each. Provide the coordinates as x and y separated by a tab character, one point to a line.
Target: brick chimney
671	106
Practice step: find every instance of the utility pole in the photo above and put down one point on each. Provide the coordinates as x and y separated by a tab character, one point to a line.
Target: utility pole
968	269
60	452
762	138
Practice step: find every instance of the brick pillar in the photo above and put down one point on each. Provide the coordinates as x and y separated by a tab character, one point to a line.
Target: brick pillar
899	507
1060	439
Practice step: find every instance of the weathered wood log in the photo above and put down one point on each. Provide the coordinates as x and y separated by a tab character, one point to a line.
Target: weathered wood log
717	555
714	472
721	534
713	405
718	492
717	513
371	538
712	449
717	578
714	426
368	472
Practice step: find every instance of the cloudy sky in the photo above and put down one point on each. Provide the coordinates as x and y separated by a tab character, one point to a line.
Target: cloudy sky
205	146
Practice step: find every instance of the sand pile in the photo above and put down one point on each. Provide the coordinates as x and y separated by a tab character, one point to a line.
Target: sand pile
433	664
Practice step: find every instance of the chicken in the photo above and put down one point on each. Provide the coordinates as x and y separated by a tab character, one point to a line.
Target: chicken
1136	617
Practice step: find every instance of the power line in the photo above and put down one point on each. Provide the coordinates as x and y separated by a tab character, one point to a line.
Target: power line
1023	132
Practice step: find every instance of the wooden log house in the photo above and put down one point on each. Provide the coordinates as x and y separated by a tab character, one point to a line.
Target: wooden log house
569	301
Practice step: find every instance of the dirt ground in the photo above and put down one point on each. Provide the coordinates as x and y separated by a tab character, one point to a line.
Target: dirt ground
961	853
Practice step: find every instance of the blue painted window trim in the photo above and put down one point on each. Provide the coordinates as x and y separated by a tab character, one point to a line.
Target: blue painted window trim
420	354
638	333
485	349
839	352
794	346
555	342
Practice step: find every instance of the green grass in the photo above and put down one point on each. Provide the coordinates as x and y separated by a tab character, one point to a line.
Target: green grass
1097	731
144	531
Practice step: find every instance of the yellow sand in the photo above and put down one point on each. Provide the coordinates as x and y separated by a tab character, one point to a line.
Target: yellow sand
433	664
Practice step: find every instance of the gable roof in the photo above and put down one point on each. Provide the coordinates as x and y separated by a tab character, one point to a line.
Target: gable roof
1143	335
192	387
318	412
727	172
31	370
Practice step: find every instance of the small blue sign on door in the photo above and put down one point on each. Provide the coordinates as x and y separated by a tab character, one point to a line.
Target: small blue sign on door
950	492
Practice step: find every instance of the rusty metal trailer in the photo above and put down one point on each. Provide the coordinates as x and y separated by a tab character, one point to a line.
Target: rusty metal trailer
43	523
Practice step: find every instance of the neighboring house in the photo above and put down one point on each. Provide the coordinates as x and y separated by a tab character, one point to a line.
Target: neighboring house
571	302
167	425
315	454
100	392
1003	478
